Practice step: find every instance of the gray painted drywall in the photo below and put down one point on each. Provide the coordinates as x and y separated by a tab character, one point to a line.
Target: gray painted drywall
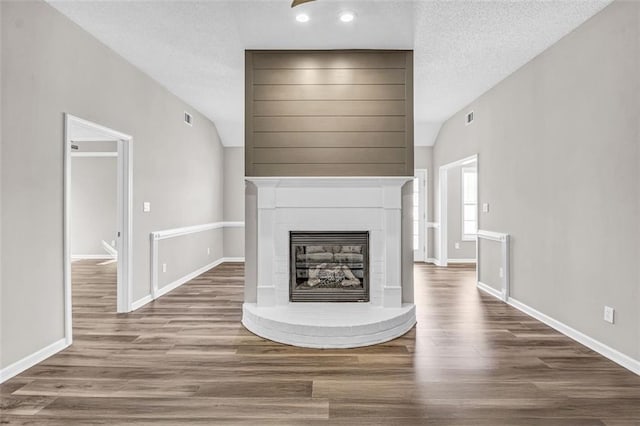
467	249
234	200
51	66
559	161
93	204
489	263
172	252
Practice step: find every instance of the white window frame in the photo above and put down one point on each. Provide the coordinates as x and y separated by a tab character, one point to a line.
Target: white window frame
467	237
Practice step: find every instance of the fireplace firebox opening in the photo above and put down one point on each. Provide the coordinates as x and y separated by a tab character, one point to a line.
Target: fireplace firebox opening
329	266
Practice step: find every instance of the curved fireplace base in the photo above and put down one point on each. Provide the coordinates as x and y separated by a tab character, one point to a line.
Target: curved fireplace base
333	325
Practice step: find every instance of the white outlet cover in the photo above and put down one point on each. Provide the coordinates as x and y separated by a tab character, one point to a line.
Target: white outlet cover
146	207
485	207
457	245
164	267
501	272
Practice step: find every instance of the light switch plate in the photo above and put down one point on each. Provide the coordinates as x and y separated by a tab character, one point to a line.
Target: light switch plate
609	313
457	245
146	207
485	207
164	267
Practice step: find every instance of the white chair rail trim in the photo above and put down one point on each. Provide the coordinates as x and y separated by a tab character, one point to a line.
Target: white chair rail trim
186	230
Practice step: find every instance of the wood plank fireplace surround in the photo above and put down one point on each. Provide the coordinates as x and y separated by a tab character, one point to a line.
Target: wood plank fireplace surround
329	170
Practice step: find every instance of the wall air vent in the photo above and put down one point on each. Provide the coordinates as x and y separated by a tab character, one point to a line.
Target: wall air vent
469	118
188	119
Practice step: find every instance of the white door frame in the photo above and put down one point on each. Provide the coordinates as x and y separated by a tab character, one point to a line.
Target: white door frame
124	217
443	243
420	255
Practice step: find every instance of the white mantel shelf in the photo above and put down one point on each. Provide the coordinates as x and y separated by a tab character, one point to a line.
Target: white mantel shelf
372	204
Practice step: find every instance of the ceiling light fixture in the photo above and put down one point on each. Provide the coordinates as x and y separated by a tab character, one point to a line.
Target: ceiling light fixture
347	16
302	17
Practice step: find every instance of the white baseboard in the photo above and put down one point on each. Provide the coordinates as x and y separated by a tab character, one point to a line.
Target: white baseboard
461	261
141	302
604	350
490	290
177	283
431	260
31	360
91	257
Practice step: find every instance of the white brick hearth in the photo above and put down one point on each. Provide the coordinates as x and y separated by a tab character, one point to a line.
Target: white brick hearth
371	204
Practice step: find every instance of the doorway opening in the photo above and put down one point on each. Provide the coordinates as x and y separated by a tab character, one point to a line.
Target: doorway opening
458	212
97	226
419	215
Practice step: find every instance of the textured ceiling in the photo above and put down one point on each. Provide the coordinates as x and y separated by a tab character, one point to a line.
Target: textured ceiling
196	48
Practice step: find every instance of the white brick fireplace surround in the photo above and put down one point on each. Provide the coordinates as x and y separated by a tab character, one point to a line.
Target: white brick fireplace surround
371	204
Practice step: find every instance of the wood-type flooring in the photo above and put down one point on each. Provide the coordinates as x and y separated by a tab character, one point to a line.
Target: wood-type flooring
186	359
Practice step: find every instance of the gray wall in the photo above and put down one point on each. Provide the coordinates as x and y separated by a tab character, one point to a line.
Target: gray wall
50	66
93	204
559	164
234	200
329	113
467	249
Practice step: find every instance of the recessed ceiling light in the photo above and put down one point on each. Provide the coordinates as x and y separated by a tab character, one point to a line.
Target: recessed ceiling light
347	16
302	17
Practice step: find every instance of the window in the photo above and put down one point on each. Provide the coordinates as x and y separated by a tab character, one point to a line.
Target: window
469	204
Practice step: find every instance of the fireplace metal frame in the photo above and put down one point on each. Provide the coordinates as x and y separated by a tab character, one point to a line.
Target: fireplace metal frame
329	238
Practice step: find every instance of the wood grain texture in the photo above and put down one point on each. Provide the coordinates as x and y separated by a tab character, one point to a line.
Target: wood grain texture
336	92
185	359
305	99
325	140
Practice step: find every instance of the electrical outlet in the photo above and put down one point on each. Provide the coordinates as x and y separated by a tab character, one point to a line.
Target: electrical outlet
485	207
208	251
146	207
113	243
458	246
164	267
501	272
609	314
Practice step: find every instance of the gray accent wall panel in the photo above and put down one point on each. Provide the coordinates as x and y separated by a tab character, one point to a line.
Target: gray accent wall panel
329	113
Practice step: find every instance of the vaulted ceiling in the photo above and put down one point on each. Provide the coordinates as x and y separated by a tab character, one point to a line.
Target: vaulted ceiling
196	48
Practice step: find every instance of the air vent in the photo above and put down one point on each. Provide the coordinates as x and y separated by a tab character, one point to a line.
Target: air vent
469	118
188	119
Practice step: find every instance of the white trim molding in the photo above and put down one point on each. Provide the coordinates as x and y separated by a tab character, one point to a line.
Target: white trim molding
91	256
490	290
443	195
601	348
505	241
29	361
95	154
186	230
154	237
124	142
462	260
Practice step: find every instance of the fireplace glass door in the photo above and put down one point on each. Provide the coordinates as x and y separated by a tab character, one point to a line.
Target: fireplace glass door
329	266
